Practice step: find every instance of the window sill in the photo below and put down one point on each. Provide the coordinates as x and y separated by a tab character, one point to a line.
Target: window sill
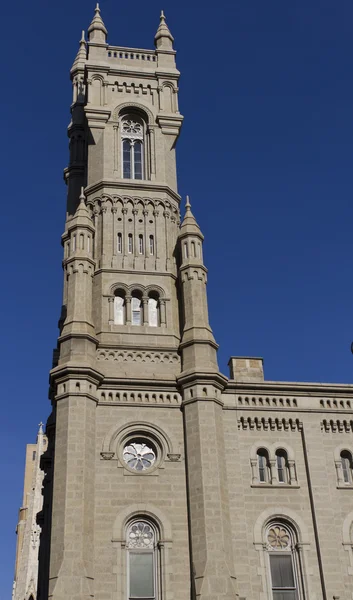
277	486
345	486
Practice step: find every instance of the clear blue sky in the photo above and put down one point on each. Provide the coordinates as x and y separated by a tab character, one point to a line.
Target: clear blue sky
265	154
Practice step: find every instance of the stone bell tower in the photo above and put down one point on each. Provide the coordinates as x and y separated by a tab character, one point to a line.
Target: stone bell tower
135	387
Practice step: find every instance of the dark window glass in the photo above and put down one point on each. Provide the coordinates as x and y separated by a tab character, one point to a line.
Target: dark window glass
282	575
138	160
126	159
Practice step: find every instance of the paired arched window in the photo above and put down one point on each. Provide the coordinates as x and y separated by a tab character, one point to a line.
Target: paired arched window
153	310
132	140
347	467
282	466
283	562
263	465
142	547
119	308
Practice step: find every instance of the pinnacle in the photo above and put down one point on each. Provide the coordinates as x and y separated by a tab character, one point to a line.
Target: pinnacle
81	54
97	26
189	224
163	37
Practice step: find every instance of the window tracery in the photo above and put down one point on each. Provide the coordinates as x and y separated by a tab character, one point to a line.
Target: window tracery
141	547
283	559
132	138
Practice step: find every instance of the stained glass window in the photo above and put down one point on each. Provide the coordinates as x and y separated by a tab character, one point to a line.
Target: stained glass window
141	543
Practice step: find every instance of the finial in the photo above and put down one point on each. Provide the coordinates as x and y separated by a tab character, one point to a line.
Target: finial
162	15
187	204
82	196
40	425
82	40
97	6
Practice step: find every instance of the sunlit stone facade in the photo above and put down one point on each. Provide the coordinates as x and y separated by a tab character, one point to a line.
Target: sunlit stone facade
165	479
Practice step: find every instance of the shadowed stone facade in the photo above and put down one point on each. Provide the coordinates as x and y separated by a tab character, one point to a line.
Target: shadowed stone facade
164	478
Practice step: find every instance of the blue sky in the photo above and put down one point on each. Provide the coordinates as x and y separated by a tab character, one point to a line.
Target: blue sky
265	154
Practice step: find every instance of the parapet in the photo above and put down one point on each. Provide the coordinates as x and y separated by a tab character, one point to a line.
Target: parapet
246	368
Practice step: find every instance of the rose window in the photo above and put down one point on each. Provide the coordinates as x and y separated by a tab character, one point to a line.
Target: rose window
278	538
132	129
140	535
139	456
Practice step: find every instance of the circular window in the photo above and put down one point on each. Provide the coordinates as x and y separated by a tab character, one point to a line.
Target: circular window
139	455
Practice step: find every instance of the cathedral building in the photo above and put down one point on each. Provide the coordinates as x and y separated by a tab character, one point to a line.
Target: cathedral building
164	478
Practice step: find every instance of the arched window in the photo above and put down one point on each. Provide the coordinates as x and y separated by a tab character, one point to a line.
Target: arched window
141	248
136	309
151	244
284	564
282	466
153	310
119	308
132	136
141	545
347	466
130	244
263	466
119	243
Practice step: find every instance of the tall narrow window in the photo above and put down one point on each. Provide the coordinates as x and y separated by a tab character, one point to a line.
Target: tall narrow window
142	564
193	249
282	466
136	309
346	462
153	311
151	244
263	465
130	245
119	309
282	559
119	243
141	250
132	135
186	251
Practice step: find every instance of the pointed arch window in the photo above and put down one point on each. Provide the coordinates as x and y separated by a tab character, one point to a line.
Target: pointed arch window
284	567
132	139
263	464
141	545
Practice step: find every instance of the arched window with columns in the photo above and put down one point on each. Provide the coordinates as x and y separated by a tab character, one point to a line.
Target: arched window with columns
119	308
263	465
283	562
142	560
133	146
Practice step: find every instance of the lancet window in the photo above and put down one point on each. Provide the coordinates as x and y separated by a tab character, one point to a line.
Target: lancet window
141	546
283	562
132	140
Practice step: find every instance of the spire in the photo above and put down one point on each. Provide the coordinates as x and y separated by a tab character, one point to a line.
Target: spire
97	31
163	39
40	430
81	54
189	224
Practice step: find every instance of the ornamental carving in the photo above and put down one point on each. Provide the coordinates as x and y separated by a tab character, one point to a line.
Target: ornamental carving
132	129
140	535
278	538
138	356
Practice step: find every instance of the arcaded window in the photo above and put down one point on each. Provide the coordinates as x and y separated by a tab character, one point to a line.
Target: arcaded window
141	545
153	310
263	466
141	245
347	464
282	466
119	243
283	562
132	139
130	243
136	308
119	308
